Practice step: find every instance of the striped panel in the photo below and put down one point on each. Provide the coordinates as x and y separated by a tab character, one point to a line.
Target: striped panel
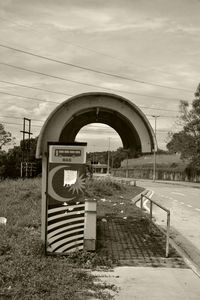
64	207
65	222
62	229
66	243
66	233
66	213
65	228
73	246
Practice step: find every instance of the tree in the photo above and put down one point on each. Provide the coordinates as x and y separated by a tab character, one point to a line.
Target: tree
120	155
187	141
10	161
5	136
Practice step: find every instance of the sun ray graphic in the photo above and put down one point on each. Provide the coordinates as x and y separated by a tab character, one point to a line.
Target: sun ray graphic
79	185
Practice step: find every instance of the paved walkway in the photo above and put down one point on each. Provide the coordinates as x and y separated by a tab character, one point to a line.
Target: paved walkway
142	271
134	241
147	283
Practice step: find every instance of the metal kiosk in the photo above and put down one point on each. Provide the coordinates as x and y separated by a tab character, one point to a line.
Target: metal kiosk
65	205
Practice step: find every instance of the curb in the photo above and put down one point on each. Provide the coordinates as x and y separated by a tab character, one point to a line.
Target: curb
194	267
137	197
181	183
185	257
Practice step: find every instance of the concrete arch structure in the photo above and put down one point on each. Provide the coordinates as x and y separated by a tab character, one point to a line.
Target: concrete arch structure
122	115
69	117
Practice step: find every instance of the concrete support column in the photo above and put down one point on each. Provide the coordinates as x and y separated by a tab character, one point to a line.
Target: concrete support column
90	225
44	197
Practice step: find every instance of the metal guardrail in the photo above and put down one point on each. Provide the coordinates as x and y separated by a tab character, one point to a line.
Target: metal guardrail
151	214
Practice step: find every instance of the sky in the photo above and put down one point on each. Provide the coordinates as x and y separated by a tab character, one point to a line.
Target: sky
154	42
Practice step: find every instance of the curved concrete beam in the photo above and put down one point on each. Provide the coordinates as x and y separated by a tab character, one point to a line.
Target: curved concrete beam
126	118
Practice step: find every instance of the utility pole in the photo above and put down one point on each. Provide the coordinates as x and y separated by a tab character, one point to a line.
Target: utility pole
108	165
93	159
155	148
25	163
127	165
127	152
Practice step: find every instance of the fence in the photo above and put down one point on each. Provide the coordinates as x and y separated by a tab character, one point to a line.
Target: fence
147	173
151	215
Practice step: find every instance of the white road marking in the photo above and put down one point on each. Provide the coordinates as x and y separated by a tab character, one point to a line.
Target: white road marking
145	205
198	209
151	194
176	193
146	201
188	205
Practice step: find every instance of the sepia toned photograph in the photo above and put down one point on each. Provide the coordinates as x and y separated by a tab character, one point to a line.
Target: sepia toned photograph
99	150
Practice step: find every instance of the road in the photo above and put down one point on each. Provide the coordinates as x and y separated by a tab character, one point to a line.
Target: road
184	205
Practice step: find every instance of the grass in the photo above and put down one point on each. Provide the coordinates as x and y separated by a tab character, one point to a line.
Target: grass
26	273
115	197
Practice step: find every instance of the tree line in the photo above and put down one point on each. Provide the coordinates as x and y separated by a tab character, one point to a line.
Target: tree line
186	142
10	161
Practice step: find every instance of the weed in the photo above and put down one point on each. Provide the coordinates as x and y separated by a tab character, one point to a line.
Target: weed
26	273
104	187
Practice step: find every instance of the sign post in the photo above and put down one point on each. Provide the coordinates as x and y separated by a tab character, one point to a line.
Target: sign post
65	203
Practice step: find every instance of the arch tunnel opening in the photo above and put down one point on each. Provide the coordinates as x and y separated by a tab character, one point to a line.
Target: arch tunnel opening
99	137
115	120
67	119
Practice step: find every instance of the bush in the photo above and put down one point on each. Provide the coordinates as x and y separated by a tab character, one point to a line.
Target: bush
99	187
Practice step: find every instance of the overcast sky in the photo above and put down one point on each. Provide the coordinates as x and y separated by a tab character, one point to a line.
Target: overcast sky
155	41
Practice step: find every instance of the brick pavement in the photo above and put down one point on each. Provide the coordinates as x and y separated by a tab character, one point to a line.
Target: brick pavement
134	242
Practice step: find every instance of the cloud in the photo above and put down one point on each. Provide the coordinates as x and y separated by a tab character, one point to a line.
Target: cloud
155	41
18	111
180	28
42	110
142	24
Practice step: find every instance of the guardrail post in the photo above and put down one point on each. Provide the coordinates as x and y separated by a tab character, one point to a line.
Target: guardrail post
151	210
141	202
167	235
151	217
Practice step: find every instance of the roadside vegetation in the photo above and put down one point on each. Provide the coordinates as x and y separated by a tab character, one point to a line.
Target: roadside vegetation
25	272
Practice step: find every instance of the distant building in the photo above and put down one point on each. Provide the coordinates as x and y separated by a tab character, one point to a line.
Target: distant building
99	168
164	160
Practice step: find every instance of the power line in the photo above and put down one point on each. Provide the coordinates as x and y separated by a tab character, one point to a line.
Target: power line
34	88
155	108
173	117
14	117
82	47
26	97
89	49
43	100
78	82
39	120
11	123
65	94
92	70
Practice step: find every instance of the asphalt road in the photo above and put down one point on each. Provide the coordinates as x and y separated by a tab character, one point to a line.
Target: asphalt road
184	205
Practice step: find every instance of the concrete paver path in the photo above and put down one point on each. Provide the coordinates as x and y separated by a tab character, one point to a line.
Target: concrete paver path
144	283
